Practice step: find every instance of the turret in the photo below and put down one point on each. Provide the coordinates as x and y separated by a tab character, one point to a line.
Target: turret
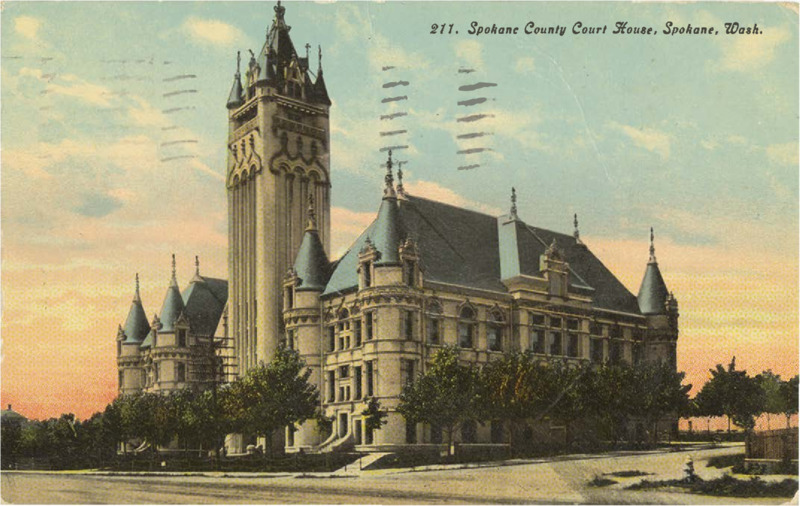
311	264
388	232
173	304
236	97
653	292
136	325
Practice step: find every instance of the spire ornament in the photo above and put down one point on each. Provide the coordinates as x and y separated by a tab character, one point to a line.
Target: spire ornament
576	234
401	192
136	296
174	280
513	212
319	59
652	248
312	217
238	63
280	11
388	191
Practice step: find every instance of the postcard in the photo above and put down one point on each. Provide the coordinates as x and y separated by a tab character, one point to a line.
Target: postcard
451	251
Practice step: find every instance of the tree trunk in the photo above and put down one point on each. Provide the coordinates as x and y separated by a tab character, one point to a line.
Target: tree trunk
729	427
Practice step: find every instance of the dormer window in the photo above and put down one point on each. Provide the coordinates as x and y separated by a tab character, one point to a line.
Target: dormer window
409	273
180	338
366	274
288	297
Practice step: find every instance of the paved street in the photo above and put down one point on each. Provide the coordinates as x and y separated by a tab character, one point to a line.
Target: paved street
559	481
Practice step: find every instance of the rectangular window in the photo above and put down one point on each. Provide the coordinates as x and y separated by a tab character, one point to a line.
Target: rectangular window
637	353
536	341
344	371
331	386
370	365
408	273
180	372
494	336
357	380
573	324
369	323
408	325
555	322
367	275
555	343
290	339
572	346
341	342
465	331
537	319
615	352
289	297
407	370
596	350
595	329
615	332
181	337
432	330
156	372
638	334
341	393
121	378
331	337
357	332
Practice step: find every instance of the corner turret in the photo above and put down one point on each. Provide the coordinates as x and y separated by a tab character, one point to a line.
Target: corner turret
236	96
388	232
136	324
653	292
173	304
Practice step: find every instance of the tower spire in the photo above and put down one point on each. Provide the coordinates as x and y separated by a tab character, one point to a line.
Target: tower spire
174	280
388	191
513	212
312	217
401	192
652	248
136	296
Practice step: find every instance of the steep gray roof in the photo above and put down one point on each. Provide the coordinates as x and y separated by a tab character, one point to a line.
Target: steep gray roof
236	97
204	301
136	324
387	233
311	264
171	309
653	293
462	247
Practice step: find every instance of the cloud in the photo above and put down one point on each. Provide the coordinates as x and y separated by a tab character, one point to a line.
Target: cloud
470	52
435	191
648	138
96	205
783	154
524	65
211	31
743	53
69	85
346	226
27	26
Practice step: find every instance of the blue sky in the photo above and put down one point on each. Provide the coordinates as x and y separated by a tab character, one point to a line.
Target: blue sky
107	170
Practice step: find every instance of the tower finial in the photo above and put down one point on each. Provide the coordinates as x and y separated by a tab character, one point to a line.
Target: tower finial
652	248
388	191
319	57
279	12
312	216
513	212
576	233
308	46
174	280
196	265
136	296
238	62
400	190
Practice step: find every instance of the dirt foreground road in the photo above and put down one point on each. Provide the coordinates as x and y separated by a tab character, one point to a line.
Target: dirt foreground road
553	481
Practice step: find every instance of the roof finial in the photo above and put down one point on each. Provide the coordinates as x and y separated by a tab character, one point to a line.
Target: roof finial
652	248
576	233
136	296
174	280
196	265
312	217
238	62
308	46
279	12
319	58
400	190
513	212
389	178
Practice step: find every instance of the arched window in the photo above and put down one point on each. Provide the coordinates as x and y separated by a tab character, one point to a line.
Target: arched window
494	331
433	323
466	327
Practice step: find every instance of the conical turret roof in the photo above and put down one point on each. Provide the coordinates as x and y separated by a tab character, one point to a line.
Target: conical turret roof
136	325
173	304
311	264
388	230
653	292
236	97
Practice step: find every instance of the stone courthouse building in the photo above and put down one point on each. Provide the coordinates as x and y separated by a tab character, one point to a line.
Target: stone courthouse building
423	275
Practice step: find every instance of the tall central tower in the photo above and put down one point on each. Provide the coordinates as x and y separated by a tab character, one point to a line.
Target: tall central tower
278	154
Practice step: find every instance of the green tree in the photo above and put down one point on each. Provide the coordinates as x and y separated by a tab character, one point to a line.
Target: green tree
609	401
273	396
773	400
10	442
446	396
657	390
513	390
789	393
732	393
374	417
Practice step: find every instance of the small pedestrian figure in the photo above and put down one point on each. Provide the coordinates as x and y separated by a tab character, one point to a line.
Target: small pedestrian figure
689	475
